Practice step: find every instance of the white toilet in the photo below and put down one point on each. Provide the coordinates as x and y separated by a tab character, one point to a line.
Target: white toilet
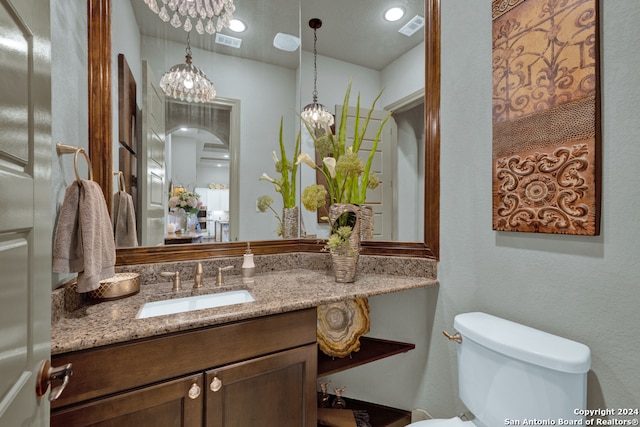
507	371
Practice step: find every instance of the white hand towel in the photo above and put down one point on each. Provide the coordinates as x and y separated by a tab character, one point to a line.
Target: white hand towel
84	238
124	220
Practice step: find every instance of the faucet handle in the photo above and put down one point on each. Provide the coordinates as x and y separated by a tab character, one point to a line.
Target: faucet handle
220	278
176	278
197	278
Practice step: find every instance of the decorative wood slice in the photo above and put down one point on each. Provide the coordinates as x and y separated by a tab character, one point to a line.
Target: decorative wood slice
340	326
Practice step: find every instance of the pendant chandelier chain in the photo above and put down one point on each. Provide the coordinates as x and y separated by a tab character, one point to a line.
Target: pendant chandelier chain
315	66
315	114
188	50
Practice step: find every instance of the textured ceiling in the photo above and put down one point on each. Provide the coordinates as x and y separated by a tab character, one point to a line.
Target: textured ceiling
353	30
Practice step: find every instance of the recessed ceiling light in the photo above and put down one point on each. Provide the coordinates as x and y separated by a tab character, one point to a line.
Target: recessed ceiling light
183	129
237	26
394	14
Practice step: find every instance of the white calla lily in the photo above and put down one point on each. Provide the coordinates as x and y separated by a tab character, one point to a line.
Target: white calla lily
275	157
307	160
330	163
266	177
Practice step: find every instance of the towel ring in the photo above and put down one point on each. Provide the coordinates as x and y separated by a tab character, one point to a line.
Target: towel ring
121	185
68	149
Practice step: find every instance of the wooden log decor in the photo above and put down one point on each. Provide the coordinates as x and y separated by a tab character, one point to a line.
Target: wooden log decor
546	116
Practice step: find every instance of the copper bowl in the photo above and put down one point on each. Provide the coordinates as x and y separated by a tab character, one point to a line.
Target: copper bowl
119	286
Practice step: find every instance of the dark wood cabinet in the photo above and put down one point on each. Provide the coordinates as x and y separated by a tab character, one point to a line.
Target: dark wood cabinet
270	391
172	403
255	372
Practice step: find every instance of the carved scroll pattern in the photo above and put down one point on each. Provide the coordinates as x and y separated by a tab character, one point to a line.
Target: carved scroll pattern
545	192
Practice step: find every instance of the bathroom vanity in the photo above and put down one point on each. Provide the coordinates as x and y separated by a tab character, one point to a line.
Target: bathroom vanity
241	373
246	364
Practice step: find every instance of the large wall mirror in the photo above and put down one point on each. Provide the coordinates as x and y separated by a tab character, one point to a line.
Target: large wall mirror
258	85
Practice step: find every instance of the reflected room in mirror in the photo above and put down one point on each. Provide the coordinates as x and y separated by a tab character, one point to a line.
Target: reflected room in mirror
262	84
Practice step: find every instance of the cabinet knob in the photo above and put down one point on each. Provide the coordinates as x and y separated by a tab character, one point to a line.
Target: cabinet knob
194	391
216	384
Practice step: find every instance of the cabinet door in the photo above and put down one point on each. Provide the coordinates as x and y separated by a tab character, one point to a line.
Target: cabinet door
272	391
169	404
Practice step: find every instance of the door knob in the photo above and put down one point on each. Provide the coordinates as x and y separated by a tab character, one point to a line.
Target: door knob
48	374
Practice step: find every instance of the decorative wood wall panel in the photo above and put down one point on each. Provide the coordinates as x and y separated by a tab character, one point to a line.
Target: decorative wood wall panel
546	130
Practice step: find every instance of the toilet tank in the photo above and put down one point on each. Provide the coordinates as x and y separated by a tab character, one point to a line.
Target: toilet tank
511	372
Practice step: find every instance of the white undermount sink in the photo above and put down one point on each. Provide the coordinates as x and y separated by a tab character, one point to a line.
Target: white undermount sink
199	302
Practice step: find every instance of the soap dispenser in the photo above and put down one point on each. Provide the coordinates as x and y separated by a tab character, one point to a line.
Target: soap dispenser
248	266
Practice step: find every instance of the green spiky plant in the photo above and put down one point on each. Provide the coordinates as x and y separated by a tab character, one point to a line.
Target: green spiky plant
286	184
347	176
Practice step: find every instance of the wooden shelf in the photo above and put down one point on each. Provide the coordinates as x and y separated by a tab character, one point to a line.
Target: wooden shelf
379	415
371	349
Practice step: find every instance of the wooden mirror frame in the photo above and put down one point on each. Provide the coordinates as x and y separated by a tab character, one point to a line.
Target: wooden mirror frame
101	154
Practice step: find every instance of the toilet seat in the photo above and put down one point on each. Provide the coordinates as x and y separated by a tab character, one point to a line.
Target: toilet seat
451	422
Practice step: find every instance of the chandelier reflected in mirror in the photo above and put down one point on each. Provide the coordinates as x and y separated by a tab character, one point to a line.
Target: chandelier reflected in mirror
205	11
187	82
316	114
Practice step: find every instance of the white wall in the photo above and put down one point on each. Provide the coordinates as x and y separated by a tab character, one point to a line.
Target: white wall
403	76
125	39
184	157
69	88
583	288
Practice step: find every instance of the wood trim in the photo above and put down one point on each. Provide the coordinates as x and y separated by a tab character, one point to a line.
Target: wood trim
432	129
100	149
99	73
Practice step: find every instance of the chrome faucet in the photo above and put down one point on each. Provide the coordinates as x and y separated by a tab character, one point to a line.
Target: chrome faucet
219	278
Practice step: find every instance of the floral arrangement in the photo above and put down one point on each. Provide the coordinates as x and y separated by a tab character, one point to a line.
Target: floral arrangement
347	176
286	184
186	201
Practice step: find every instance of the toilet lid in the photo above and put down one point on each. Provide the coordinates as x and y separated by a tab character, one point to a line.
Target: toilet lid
451	422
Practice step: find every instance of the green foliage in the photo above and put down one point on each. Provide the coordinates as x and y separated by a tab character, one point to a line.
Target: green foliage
347	176
286	184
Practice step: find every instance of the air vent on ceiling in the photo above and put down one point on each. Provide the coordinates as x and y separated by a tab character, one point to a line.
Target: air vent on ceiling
412	26
228	40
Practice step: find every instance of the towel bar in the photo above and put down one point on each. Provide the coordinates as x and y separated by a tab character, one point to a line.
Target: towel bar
121	185
69	149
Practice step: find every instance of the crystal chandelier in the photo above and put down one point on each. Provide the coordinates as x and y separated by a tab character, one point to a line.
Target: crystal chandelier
187	82
203	10
316	114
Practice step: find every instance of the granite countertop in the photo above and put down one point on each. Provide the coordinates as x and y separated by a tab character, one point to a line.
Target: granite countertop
109	322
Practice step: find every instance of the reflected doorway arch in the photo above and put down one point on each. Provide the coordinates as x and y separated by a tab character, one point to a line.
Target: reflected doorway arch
221	118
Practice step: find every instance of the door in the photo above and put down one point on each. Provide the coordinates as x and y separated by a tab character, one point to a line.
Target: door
176	403
380	198
278	390
25	208
152	162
